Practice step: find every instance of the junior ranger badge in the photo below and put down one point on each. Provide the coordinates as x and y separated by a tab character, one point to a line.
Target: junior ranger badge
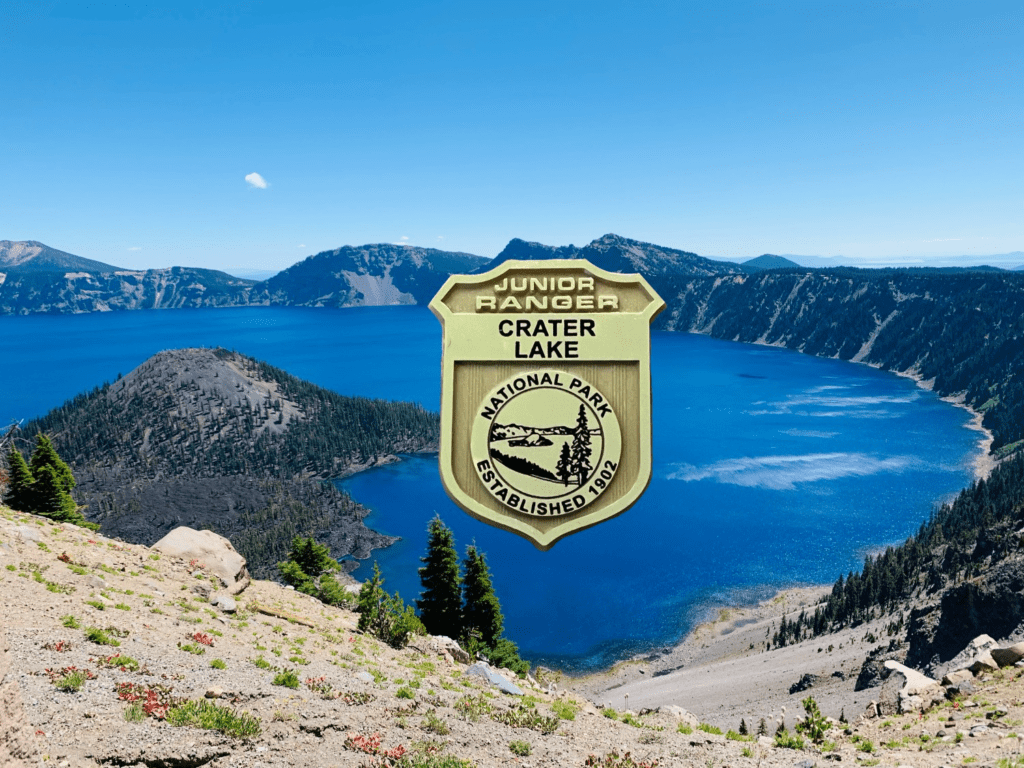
546	394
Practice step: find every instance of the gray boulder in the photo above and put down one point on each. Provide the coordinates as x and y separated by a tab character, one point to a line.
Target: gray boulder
214	552
1006	657
440	644
498	681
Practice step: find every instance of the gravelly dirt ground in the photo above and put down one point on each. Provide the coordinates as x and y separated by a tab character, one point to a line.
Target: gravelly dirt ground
415	698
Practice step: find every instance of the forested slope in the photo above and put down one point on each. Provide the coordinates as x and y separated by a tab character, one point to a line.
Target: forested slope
211	438
963	331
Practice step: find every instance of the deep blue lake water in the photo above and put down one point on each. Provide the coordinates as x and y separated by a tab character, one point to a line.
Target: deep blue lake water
771	468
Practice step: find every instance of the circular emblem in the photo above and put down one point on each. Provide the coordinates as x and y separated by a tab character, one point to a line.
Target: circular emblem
546	443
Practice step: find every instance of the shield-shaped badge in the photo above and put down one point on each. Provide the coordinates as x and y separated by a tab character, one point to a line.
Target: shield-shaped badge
546	394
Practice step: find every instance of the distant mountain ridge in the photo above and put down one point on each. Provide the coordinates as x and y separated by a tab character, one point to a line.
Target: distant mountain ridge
769	261
620	254
32	256
368	275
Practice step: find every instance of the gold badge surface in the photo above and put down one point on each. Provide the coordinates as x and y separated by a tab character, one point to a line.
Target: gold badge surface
546	394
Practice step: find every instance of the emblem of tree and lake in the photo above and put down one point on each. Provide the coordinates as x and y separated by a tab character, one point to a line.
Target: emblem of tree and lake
547	450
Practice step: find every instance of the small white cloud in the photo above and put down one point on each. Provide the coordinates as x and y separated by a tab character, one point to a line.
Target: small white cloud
301	245
404	237
255	180
440	237
135	248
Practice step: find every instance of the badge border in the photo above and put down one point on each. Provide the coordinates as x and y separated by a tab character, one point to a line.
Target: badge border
543	540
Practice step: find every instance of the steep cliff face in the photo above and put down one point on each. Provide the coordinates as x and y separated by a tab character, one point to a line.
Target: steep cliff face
369	275
25	292
963	331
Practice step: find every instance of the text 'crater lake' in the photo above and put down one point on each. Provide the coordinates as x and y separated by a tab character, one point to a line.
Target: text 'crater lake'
771	468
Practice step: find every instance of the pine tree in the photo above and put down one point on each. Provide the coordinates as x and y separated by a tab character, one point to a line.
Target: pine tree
45	455
482	611
581	449
564	465
762	728
49	498
743	727
440	603
19	484
370	602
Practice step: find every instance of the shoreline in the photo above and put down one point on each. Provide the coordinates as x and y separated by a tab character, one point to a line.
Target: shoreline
982	464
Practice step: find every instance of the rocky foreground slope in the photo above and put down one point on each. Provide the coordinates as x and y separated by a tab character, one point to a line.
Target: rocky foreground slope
279	679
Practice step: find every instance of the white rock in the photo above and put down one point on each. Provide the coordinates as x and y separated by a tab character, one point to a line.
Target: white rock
213	551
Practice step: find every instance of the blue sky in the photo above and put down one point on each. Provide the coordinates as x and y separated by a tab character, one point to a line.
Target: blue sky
877	128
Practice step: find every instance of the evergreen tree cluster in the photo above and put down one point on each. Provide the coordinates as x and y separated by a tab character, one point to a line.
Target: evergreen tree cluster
43	485
981	524
460	603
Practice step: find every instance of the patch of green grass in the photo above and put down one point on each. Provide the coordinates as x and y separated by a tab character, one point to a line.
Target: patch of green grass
747	752
123	607
100	637
96	604
434	724
134	714
212	717
193	648
262	663
472	707
218	664
11	567
682	728
610	713
77	569
866	745
405	693
70	622
519	748
72	682
117	661
522	716
288	679
735	736
708	728
565	709
788	740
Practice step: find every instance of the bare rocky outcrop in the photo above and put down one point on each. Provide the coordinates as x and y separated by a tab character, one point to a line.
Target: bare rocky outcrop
214	552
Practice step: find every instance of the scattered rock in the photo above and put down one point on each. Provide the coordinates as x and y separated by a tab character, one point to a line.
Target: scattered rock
214	692
28	533
955	678
1006	657
96	582
498	681
681	715
214	552
983	662
440	644
225	602
805	682
915	681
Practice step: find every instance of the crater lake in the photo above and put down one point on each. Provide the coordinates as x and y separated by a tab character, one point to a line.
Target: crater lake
771	468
